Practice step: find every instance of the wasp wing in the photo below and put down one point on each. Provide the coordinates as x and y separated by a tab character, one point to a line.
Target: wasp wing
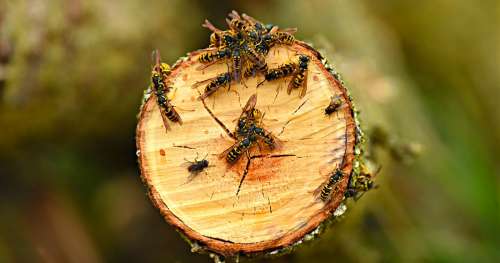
304	85
317	191
164	118
292	30
226	152
290	85
201	82
251	102
177	115
277	142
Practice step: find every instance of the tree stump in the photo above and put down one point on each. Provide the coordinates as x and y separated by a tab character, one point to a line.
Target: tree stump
278	204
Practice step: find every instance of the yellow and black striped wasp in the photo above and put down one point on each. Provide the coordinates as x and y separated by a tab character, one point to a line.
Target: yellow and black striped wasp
282	71
250	123
299	79
283	37
236	23
217	35
226	44
326	190
160	89
214	84
298	70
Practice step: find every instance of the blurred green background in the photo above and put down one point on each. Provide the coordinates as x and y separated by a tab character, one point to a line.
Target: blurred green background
72	73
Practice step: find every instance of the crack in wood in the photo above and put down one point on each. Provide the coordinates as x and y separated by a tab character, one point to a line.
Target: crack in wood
277	93
183	146
300	106
283	128
249	160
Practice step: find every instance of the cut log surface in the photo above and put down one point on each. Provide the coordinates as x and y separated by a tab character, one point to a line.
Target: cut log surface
278	203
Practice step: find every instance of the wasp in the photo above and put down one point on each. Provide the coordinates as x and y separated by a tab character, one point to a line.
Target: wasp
300	77
236	64
216	36
297	69
359	189
250	123
264	44
160	90
257	25
236	23
259	35
258	60
326	191
248	116
254	29
362	183
269	139
335	103
219	37
256	63
226	50
208	57
214	84
226	42
281	72
284	38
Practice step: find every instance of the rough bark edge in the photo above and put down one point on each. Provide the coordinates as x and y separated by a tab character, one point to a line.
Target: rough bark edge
215	247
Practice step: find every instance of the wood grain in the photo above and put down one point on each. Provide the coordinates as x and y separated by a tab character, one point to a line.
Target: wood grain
277	204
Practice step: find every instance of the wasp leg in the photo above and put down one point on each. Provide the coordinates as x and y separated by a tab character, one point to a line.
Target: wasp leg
245	172
229	133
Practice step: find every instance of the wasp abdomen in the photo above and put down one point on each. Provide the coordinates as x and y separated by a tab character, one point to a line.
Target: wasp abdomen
327	189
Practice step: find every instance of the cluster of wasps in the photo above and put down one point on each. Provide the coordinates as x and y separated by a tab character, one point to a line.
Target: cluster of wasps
244	47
